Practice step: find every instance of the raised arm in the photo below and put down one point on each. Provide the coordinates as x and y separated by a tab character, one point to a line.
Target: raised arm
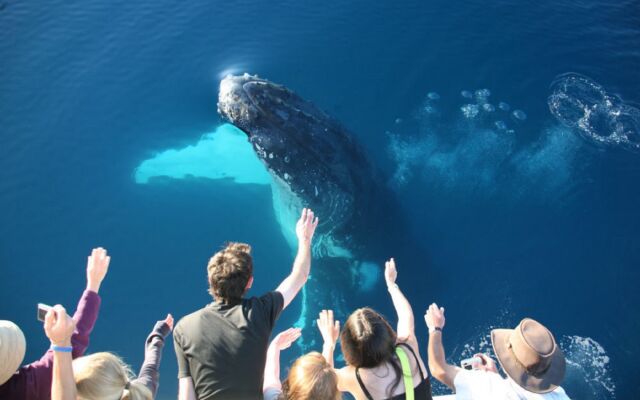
292	284
97	268
149	374
330	331
440	369
89	305
59	327
272	367
406	323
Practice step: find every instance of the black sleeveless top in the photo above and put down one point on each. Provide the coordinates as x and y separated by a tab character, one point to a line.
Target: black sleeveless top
421	392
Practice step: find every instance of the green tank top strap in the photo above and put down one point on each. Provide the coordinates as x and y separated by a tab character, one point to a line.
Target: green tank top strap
407	376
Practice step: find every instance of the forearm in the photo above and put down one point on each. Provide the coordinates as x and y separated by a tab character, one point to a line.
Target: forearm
63	386
327	352
149	374
85	317
299	274
406	323
302	263
438	365
272	369
186	390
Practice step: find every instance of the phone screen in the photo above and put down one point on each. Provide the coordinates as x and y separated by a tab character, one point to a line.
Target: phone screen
43	309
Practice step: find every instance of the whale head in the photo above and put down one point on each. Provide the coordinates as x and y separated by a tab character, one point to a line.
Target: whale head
304	148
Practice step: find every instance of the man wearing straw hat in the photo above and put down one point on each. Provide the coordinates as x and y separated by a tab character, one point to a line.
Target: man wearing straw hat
529	355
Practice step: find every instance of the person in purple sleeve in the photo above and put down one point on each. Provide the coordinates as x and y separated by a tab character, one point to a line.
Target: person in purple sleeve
33	381
102	376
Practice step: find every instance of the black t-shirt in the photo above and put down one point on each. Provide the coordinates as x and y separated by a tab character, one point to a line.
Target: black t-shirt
223	347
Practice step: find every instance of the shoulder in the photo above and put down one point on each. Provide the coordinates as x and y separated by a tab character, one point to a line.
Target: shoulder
188	320
346	378
268	300
558	394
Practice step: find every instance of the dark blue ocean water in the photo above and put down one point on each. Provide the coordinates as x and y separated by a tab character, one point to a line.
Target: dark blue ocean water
536	222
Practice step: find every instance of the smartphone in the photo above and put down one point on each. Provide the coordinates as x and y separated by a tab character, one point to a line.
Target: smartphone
468	363
43	309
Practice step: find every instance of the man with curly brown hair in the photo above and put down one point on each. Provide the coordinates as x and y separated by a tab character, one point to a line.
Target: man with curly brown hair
221	348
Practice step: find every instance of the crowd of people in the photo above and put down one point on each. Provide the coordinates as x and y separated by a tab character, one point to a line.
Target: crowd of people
223	350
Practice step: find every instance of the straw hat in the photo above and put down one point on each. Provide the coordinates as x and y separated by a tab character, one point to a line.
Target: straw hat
530	356
12	348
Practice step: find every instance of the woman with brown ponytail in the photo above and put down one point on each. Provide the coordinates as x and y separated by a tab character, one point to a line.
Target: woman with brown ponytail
383	364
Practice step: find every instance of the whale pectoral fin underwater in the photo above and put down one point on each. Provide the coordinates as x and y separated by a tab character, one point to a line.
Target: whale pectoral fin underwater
222	154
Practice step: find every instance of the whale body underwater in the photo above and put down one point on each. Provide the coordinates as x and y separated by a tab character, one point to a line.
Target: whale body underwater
275	137
314	162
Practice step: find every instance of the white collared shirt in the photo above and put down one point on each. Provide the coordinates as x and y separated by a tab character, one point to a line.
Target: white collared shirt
483	385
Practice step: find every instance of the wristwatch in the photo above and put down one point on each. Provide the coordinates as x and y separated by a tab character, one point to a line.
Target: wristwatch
434	329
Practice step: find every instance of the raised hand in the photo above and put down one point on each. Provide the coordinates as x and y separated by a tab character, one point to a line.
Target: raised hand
97	267
169	321
390	272
434	317
284	339
59	326
486	364
329	329
306	226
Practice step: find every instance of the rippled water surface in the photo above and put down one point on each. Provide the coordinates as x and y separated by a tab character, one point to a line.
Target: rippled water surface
509	132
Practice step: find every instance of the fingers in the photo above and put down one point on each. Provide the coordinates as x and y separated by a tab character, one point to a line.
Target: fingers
310	218
60	312
49	321
99	254
325	318
307	217
285	338
169	321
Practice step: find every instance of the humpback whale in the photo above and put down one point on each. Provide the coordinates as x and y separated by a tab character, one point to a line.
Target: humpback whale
314	162
308	159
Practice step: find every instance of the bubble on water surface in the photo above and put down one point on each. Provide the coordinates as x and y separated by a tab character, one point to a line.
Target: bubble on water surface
483	93
466	94
501	125
488	107
519	114
470	110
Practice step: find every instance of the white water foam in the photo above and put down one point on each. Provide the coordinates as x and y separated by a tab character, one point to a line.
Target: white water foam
476	153
598	116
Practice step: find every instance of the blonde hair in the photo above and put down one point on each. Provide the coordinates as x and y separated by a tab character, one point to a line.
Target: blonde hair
12	349
104	376
311	377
